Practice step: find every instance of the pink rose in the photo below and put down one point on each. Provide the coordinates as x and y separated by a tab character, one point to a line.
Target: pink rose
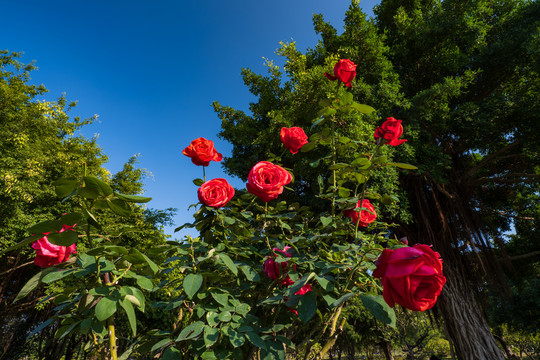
49	254
390	131
344	70
411	276
363	218
266	180
293	138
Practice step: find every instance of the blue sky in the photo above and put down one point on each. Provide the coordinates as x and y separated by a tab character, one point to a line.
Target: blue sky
151	71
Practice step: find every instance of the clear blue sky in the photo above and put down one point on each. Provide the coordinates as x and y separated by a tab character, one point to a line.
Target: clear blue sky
151	71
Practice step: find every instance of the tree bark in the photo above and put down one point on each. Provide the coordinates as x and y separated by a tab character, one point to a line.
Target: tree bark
387	350
464	320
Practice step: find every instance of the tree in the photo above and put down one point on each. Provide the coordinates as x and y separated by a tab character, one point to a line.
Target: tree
40	145
464	78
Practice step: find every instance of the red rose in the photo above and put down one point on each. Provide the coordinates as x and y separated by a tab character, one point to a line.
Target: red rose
215	193
363	218
344	70
411	276
275	270
293	138
49	254
266	180
202	151
390	131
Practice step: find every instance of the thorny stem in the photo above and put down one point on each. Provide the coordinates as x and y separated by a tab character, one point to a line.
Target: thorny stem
110	325
204	173
334	154
379	143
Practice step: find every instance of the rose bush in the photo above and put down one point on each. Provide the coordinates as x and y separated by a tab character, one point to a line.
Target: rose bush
49	254
202	151
293	138
364	217
390	131
344	71
411	276
266	180
215	193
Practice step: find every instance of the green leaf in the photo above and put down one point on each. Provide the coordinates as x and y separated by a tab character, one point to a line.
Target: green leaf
33	283
65	186
144	282
146	259
105	308
229	263
403	166
307	307
41	326
191	331
88	192
342	299
172	353
309	146
225	316
221	298
56	275
119	207
161	344
236	339
138	294
251	274
361	162
274	351
380	160
133	198
364	109
337	166
198	182
192	283
24	242
255	339
45	226
320	119
64	238
100	186
379	308
326	220
212	318
210	335
130	312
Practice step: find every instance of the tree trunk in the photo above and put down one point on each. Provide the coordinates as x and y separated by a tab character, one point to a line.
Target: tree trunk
387	350
464	320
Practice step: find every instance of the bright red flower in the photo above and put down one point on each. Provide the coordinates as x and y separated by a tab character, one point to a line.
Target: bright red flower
390	131
411	276
345	71
215	193
49	254
363	218
202	151
293	138
266	180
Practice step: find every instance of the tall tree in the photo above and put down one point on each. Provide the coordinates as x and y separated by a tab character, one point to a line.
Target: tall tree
464	78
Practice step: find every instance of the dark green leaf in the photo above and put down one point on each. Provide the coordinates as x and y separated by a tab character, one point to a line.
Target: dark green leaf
130	312
192	283
403	166
198	182
65	238
191	331
309	146
210	335
56	275
105	308
172	353
65	186
255	339
307	306
161	344
33	283
326	220
133	198
379	308
342	299
119	207
99	185
45	226
364	109
229	263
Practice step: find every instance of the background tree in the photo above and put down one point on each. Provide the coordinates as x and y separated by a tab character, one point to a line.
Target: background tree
41	144
464	78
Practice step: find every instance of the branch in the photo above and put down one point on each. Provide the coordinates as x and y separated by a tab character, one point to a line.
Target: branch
486	159
509	179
